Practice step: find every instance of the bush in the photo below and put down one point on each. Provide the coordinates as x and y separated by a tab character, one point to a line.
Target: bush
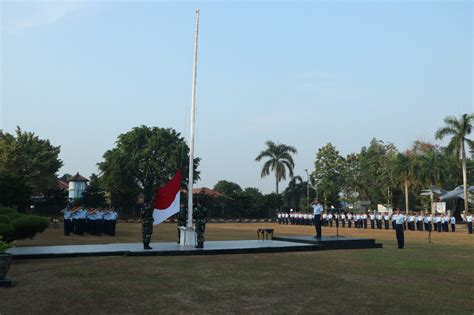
4	219
14	225
28	225
7	233
4	210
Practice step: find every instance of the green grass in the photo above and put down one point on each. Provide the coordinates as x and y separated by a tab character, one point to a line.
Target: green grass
422	278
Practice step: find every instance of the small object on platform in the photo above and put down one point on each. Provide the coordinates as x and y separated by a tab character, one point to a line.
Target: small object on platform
265	232
7	282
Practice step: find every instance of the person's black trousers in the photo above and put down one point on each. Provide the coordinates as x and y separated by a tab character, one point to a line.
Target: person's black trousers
394	225
453	227
67	227
317	225
343	223
114	225
387	226
365	223
400	236
372	224
349	223
438	225
469	227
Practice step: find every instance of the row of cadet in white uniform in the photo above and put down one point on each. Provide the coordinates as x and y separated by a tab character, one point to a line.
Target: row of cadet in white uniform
81	220
420	221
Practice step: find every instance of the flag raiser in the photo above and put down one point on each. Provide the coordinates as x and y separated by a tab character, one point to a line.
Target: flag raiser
167	199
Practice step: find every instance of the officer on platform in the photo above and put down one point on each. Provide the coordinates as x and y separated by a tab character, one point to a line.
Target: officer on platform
317	212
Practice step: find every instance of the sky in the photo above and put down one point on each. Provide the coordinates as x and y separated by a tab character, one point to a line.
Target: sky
300	73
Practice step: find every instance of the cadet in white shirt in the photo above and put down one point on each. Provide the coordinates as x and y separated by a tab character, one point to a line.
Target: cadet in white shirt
386	219
379	221
343	219
399	220
469	222
67	221
372	220
453	224
349	220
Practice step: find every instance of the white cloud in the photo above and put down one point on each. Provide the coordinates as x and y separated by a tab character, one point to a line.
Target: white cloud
21	15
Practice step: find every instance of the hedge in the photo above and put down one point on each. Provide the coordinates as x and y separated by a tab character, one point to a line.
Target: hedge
14	225
4	219
4	210
7	232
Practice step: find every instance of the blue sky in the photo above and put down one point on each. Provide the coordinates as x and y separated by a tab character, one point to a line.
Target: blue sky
300	73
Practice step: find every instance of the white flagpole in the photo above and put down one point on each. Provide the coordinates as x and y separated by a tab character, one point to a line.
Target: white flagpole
193	118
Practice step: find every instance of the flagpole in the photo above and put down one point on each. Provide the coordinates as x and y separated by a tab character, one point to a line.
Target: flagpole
192	131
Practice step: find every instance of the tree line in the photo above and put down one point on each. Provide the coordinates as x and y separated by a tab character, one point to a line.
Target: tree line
147	157
379	172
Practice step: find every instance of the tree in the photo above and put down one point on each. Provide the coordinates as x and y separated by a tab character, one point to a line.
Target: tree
375	172
13	190
94	195
405	169
144	159
328	173
279	160
31	158
295	192
459	130
227	188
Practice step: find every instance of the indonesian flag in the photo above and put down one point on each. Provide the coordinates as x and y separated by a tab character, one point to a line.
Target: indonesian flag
167	200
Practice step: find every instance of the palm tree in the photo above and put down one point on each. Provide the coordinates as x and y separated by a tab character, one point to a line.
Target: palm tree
294	191
458	129
279	160
405	167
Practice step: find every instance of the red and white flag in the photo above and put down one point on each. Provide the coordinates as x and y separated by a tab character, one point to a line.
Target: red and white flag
167	200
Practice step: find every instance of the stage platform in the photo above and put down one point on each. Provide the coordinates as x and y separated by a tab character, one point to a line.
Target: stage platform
161	249
331	242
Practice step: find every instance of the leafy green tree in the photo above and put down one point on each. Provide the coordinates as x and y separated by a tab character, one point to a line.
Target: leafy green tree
406	170
459	130
94	195
328	173
376	180
144	159
279	159
14	191
272	202
27	156
227	188
295	195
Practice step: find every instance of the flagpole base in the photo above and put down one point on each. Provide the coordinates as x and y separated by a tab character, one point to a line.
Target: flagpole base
187	236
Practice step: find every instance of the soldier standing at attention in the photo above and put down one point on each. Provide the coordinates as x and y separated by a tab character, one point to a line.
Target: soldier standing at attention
67	221
386	220
349	219
317	211
343	219
399	220
372	220
147	224
469	222
453	223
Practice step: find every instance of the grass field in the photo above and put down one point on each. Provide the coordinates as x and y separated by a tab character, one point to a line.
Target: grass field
422	278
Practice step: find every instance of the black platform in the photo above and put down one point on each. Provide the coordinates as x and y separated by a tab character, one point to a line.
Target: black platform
332	242
161	249
7	282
